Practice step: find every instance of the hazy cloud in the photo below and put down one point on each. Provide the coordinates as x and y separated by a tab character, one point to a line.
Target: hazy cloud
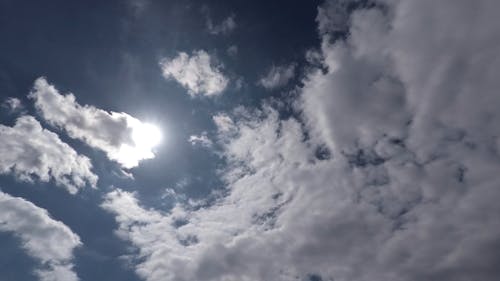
29	151
49	241
198	73
225	27
277	76
13	104
232	50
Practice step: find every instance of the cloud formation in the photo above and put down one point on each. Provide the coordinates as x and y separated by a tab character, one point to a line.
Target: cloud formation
118	134
29	151
198	73
390	171
225	27
277	76
49	241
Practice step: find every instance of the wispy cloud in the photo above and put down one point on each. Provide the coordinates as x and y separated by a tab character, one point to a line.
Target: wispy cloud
277	76
13	104
224	27
201	139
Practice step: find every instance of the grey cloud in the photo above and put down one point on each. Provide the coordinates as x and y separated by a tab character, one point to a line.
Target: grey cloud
29	151
49	241
277	76
13	104
225	27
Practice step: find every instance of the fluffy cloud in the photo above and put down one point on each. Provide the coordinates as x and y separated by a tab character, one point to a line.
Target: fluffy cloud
277	76
225	27
30	151
198	73
49	241
120	135
391	173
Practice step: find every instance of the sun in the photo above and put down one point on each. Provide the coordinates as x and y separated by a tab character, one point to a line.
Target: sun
146	136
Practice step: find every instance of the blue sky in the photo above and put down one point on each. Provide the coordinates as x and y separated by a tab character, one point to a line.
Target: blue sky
249	140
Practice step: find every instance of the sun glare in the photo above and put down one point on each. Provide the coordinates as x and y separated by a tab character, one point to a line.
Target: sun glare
146	136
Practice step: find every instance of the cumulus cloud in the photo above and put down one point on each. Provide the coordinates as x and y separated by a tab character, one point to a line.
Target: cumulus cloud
391	172
277	76
118	134
198	73
30	152
49	241
225	27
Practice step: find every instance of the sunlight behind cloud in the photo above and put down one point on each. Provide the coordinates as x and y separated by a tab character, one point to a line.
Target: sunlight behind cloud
144	138
146	135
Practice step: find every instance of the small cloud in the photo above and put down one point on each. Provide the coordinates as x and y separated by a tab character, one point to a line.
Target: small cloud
232	51
225	27
198	73
277	76
202	140
223	122
13	104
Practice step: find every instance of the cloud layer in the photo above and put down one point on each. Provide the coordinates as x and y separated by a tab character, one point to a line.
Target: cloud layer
29	151
198	73
390	173
49	241
112	132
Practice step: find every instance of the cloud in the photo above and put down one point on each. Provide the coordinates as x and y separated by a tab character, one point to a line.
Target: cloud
197	73
116	133
13	104
225	27
30	151
201	139
232	50
389	172
49	241
277	76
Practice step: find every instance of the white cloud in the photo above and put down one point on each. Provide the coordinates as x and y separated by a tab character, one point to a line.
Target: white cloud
30	151
198	73
225	27
391	175
49	241
118	134
201	139
277	76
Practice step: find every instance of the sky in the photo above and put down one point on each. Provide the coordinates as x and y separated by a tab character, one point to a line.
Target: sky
333	140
